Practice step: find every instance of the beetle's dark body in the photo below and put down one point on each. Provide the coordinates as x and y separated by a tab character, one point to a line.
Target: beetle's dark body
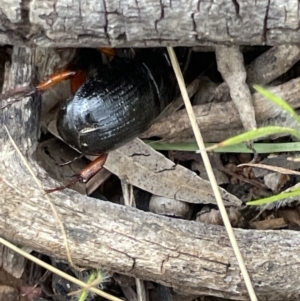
115	105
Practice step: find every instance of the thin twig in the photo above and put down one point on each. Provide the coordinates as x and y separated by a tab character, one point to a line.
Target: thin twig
21	91
210	173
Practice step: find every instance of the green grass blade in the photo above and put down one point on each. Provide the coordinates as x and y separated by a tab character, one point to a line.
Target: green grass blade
278	101
255	134
261	148
275	198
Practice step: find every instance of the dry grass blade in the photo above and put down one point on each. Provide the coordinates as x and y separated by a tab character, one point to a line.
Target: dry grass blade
210	173
58	272
47	198
281	170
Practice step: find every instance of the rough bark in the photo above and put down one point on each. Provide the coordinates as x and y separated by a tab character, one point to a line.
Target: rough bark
190	257
131	23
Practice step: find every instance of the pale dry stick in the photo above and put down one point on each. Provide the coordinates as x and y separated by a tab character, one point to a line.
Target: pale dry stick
38	183
58	272
140	289
210	173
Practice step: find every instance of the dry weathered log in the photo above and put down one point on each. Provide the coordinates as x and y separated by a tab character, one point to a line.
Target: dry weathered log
190	257
115	23
218	121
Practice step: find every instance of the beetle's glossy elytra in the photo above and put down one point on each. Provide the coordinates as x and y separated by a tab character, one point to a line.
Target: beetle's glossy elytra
116	104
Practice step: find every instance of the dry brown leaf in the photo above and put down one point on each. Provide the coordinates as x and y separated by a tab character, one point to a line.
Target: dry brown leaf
142	166
290	215
221	177
275	181
275	223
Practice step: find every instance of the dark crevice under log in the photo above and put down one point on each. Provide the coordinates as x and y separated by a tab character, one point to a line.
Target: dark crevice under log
115	23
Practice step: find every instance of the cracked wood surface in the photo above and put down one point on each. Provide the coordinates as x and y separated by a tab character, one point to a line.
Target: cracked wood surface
190	257
132	23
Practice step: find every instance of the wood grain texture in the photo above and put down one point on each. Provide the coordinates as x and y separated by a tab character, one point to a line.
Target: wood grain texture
218	121
190	257
143	23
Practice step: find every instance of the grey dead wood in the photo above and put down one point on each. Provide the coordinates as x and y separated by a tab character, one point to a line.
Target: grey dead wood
190	257
65	23
177	103
264	69
267	67
272	64
231	66
219	121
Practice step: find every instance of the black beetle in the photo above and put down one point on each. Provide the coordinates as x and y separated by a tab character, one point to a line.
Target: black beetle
117	103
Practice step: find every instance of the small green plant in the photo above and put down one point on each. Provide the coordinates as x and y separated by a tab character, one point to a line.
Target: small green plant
262	132
94	279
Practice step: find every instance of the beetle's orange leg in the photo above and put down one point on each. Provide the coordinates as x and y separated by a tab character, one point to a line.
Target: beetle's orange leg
77	79
108	51
92	168
60	76
51	81
55	79
88	172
